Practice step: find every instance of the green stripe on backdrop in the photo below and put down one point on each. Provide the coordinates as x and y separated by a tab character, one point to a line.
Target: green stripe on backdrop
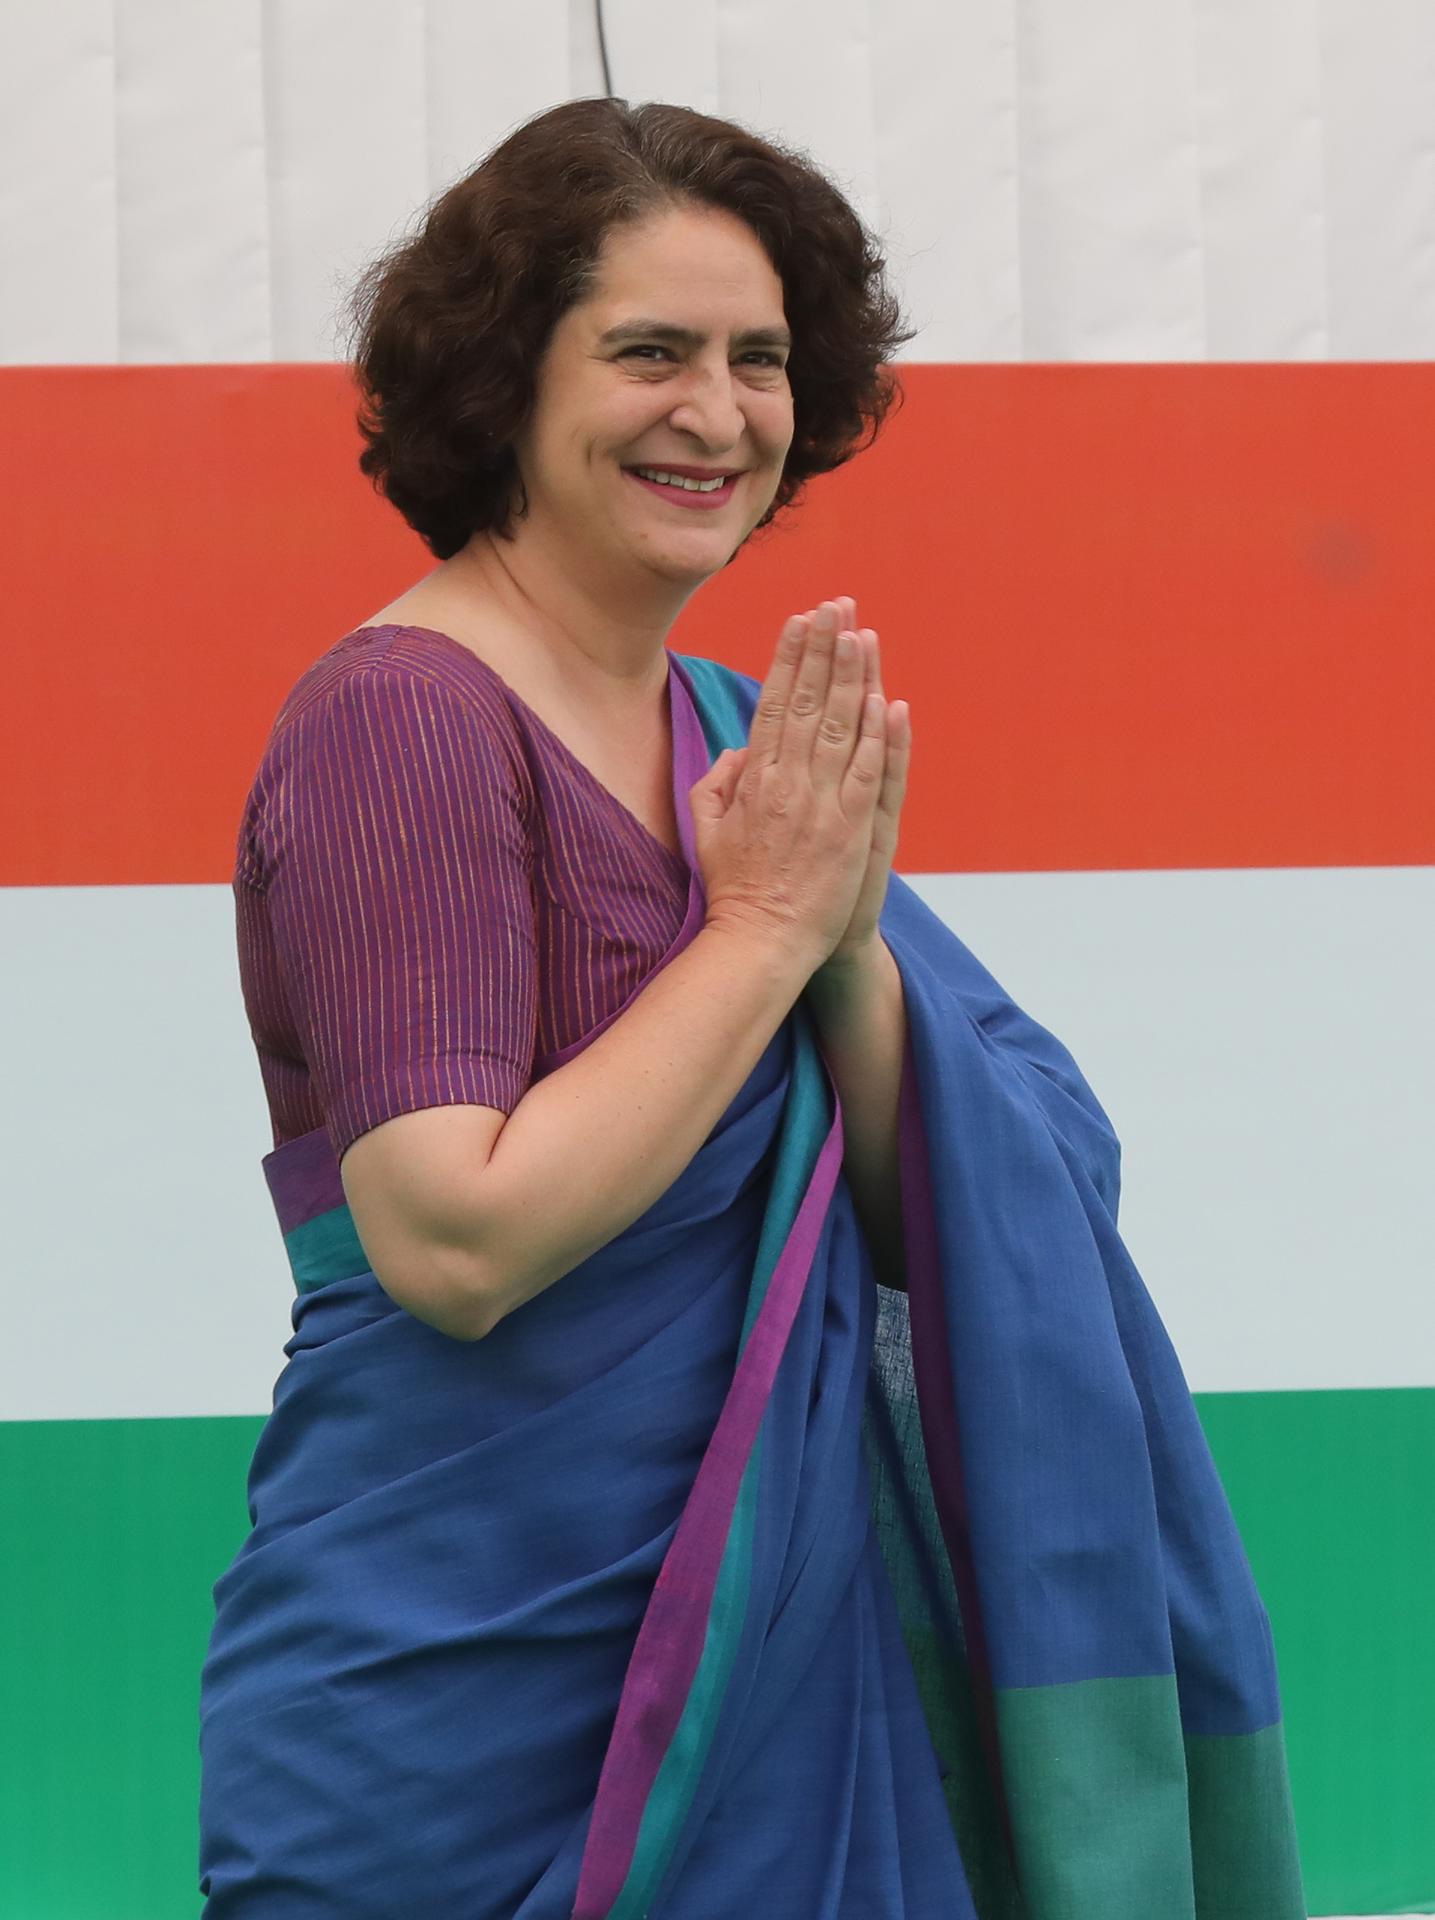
114	1531
1331	1492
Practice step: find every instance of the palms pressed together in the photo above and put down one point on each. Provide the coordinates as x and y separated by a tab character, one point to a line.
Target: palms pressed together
860	936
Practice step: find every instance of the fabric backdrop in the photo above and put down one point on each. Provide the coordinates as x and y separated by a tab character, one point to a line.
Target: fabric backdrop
1148	550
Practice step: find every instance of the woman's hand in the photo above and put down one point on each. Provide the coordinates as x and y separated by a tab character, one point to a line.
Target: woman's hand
783	826
862	927
861	934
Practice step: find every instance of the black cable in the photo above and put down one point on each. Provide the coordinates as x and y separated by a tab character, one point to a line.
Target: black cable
603	51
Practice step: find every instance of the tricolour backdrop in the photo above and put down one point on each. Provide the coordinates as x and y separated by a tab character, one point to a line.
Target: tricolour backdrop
1148	548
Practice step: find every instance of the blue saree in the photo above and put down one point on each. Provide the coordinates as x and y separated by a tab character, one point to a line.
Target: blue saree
719	1580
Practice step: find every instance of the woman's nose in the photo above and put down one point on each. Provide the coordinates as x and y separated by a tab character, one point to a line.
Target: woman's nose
710	409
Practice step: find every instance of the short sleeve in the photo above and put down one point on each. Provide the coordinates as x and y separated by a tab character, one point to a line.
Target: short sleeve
397	868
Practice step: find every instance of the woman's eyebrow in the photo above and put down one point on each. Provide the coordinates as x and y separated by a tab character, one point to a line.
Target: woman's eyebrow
689	337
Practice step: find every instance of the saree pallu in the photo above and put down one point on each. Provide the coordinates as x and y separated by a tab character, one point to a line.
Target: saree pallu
719	1580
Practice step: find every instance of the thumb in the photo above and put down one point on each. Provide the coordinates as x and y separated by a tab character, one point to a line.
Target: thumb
734	759
708	796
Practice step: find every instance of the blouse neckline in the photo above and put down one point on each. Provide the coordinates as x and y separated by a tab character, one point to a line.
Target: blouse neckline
674	691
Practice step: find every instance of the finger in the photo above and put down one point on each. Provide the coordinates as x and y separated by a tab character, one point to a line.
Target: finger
874	659
729	772
863	782
898	734
808	701
840	724
869	671
765	732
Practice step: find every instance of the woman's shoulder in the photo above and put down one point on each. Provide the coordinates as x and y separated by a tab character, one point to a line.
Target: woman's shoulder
388	665
390	695
384	720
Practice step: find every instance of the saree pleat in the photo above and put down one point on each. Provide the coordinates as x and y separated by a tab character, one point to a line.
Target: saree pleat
718	1580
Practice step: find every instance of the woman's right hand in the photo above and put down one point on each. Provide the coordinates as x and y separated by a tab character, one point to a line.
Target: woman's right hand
783	828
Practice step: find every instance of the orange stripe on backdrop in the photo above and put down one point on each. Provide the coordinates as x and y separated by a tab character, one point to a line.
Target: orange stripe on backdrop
1149	616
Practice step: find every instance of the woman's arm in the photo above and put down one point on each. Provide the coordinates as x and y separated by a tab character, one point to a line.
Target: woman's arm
586	1151
862	1024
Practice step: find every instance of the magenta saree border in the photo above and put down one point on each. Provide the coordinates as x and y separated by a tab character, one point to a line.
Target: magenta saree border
670	1641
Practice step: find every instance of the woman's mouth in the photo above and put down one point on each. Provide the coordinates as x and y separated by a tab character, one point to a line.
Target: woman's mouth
686	496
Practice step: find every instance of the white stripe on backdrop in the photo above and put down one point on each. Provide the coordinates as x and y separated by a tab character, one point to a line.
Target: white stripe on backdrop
1264	1043
1123	180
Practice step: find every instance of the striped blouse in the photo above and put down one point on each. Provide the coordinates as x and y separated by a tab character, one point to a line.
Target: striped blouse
434	897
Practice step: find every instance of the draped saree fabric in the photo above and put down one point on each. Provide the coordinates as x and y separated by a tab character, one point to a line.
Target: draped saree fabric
717	1578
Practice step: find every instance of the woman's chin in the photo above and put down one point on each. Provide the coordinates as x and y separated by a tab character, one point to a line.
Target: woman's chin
688	562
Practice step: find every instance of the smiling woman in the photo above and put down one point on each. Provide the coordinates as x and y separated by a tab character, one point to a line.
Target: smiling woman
726	1461
450	328
624	397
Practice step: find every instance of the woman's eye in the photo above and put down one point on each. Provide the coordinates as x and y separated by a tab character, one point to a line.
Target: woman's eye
758	353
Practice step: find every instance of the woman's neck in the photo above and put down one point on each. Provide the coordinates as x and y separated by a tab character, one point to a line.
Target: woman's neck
592	639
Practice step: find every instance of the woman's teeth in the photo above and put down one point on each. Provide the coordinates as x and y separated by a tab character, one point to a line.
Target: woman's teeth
677	480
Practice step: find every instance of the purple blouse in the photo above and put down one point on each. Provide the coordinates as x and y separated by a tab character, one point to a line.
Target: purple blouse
434	897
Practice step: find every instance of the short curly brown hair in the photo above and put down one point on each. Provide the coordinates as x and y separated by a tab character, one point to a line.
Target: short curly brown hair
448	329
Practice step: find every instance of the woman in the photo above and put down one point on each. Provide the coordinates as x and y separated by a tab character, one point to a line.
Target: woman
726	1461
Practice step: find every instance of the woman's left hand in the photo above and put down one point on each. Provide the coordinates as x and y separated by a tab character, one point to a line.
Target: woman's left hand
861	934
860	938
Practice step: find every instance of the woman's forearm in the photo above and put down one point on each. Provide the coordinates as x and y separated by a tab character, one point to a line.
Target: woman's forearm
862	1023
589	1148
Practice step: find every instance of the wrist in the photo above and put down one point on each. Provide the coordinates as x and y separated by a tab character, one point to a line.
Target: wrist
851	968
766	944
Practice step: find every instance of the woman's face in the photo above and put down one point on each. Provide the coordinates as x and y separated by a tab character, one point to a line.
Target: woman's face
658	368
